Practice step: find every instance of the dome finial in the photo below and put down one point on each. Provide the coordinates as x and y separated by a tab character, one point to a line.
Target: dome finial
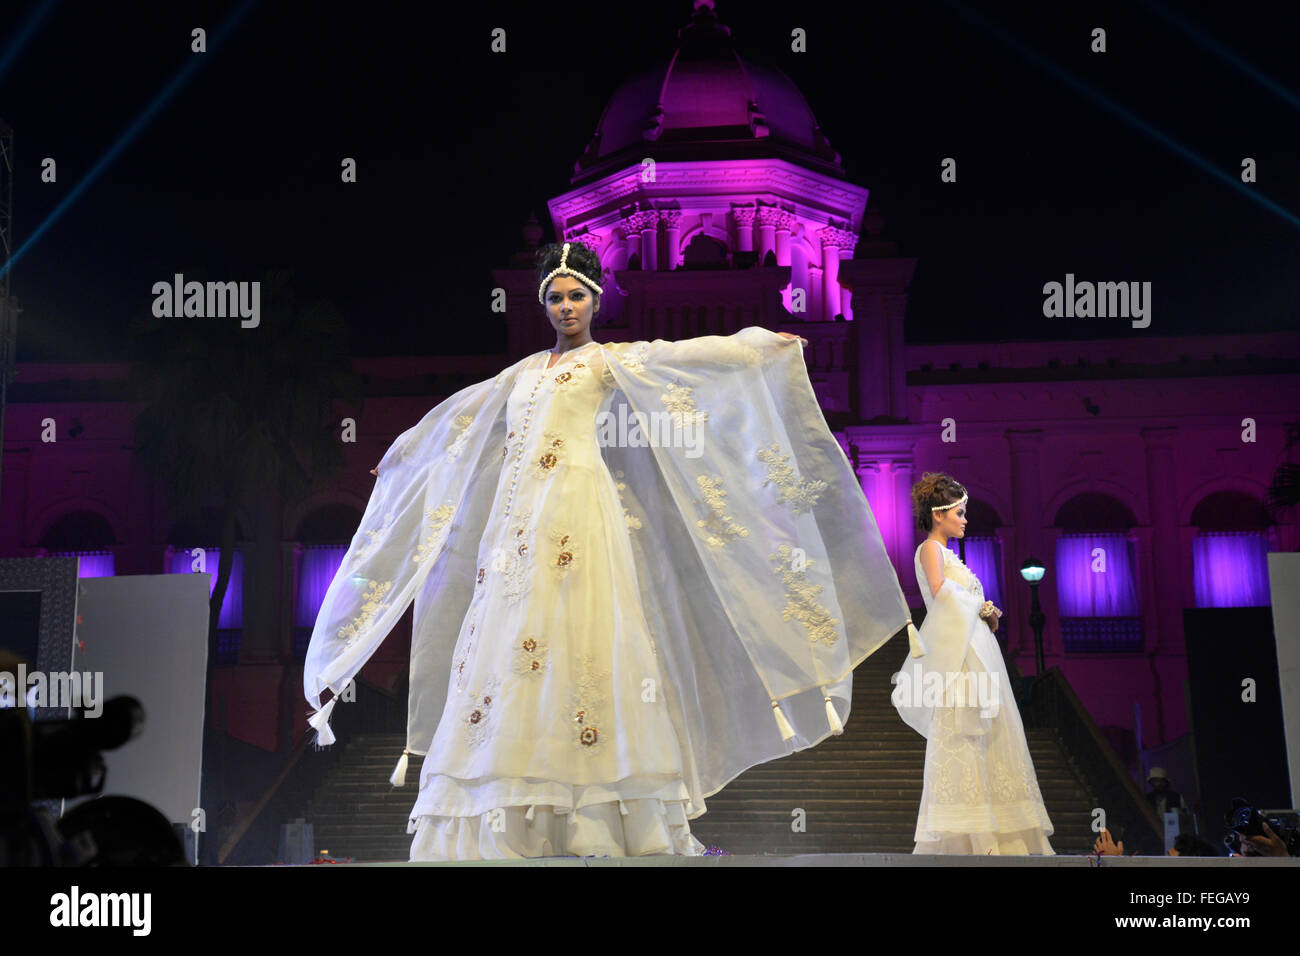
704	22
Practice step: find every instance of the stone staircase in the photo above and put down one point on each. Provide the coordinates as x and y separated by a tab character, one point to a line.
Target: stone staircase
858	792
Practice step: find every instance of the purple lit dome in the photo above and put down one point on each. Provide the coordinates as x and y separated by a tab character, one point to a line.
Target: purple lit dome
707	102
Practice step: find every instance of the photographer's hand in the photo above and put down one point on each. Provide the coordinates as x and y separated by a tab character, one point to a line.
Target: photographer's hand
1270	844
1106	846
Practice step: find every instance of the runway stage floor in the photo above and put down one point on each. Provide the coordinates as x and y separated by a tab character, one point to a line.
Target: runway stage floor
874	859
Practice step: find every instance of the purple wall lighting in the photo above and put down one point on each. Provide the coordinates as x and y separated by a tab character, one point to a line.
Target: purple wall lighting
1231	569
232	608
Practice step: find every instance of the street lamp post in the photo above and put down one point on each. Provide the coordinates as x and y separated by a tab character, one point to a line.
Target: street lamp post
1032	571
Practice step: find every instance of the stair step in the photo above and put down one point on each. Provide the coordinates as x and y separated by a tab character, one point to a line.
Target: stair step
860	790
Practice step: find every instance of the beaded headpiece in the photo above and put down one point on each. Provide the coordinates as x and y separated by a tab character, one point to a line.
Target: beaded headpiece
959	501
564	270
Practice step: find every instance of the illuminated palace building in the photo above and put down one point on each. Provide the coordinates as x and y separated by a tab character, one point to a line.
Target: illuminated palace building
744	216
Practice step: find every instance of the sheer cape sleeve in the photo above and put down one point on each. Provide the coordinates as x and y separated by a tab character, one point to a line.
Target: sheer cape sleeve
427	510
763	574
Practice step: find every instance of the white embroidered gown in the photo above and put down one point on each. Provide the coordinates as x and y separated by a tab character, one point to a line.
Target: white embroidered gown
980	794
555	738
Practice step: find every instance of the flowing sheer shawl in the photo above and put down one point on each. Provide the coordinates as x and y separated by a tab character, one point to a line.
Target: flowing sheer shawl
763	576
949	637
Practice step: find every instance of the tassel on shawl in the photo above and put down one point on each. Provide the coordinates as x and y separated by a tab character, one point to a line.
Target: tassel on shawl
320	722
782	724
914	640
398	779
832	717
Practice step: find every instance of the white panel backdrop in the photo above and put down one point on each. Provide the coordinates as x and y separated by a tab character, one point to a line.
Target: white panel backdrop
1284	592
148	635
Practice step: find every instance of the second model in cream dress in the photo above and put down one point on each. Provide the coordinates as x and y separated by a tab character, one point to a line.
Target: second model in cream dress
980	794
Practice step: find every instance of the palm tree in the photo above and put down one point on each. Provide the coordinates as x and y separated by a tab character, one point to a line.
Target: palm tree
236	415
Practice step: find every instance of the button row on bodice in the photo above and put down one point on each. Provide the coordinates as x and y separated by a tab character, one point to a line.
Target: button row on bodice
523	439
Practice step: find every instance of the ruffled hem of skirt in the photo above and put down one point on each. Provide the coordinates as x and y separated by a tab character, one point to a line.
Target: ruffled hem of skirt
617	828
1029	842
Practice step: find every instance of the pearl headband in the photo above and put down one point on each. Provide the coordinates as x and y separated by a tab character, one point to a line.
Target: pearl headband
564	270
961	501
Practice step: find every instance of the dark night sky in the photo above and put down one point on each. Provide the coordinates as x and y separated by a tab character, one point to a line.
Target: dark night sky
239	171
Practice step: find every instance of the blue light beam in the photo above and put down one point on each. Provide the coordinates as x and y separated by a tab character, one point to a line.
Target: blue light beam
1096	97
125	138
18	42
1224	52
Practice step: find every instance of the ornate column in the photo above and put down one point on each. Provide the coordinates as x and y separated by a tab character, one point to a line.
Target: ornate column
784	225
884	466
902	471
816	304
768	219
836	244
632	242
744	237
671	222
646	224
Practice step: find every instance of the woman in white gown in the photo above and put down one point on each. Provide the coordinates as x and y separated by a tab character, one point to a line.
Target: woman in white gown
599	642
979	794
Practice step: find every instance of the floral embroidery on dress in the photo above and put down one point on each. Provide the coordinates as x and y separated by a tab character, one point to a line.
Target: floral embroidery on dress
574	374
566	552
438	529
801	598
364	550
372	600
513	560
505	449
720	527
462	423
590	732
963	577
461	655
1009	786
632	521
530	656
478	713
800	493
552	453
633	355
459	670
680	401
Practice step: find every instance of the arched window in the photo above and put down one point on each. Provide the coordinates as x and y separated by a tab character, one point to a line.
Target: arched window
183	557
1096	576
86	535
325	535
704	252
981	551
1230	551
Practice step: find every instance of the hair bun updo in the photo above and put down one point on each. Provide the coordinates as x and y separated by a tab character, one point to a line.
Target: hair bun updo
934	490
582	258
